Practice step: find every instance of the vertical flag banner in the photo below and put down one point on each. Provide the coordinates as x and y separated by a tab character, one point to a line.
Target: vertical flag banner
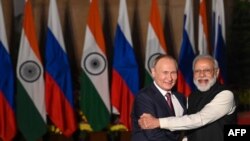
155	41
219	38
94	93
30	102
58	81
125	77
187	52
203	44
7	110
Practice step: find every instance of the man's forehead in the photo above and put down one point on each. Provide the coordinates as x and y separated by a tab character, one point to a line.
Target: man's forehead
204	61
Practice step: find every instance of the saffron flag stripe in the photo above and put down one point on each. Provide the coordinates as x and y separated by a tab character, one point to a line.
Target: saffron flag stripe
203	44
155	41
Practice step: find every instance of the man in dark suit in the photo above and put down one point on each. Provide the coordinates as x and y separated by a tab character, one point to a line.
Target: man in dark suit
152	99
210	107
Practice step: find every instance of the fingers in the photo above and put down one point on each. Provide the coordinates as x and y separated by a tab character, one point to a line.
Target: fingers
143	123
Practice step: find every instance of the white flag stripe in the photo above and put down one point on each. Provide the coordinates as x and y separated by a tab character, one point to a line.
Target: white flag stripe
202	38
153	46
101	85
35	89
190	23
202	31
3	31
218	6
54	25
123	21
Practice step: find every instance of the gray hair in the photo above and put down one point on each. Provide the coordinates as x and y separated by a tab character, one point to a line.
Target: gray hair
216	66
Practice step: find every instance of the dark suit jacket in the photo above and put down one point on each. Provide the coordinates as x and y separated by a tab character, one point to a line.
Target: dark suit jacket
150	100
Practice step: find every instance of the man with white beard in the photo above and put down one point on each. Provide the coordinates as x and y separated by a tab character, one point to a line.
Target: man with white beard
209	108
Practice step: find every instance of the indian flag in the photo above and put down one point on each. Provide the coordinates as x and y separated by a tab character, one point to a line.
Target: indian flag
94	94
155	41
31	114
203	44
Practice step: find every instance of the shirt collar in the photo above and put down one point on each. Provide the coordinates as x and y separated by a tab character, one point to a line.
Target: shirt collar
163	92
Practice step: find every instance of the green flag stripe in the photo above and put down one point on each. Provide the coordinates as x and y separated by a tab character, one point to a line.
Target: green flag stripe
92	105
29	119
148	79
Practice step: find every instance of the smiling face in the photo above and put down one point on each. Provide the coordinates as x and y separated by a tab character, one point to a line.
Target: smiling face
165	73
205	73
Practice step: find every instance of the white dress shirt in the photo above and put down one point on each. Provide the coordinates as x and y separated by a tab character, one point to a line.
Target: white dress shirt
178	109
222	104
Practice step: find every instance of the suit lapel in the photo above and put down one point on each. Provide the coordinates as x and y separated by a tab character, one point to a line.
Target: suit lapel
161	99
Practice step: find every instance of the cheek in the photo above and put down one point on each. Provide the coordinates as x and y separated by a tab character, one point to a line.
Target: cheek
175	77
211	76
196	76
161	78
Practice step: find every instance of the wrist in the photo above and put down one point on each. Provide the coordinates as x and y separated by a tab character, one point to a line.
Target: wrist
159	122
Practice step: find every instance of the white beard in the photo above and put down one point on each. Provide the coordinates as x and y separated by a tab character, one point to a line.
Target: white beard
206	87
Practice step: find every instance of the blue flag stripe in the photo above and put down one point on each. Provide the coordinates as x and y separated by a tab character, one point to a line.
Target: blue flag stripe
125	62
56	62
220	53
6	73
186	59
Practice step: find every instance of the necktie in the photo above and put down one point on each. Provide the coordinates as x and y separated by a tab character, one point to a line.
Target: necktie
169	101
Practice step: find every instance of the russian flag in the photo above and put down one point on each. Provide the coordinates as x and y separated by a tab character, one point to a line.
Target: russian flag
187	53
219	38
155	41
203	42
7	110
125	77
58	81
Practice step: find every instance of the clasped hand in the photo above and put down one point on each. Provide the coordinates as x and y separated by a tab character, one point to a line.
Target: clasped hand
147	121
